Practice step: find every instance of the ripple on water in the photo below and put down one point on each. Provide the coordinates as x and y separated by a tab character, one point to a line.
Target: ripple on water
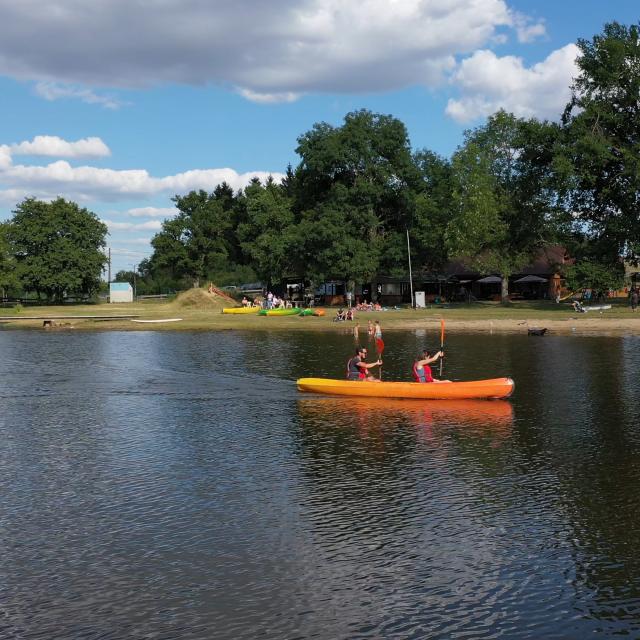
177	486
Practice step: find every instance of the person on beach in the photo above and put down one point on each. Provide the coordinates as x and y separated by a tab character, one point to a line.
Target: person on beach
370	328
358	369
634	299
422	370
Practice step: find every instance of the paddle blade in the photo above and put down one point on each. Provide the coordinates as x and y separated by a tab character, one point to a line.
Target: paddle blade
441	332
379	346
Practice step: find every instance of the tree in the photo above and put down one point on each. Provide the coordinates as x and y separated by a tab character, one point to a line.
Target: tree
433	211
57	248
194	242
8	277
602	142
505	195
267	236
354	190
590	274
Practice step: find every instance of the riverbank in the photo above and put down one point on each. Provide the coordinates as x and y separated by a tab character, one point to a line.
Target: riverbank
475	318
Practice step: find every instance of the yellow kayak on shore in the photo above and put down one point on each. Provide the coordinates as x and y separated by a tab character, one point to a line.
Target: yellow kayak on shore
241	310
478	389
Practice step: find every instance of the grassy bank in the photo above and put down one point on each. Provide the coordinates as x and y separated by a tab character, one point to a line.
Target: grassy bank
203	315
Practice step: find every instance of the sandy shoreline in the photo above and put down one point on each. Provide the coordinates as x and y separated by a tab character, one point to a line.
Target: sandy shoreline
579	326
620	323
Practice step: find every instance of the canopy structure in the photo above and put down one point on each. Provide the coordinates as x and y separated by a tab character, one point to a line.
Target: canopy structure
489	280
531	279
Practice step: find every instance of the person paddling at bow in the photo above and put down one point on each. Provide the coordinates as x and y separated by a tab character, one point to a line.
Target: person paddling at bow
422	370
358	369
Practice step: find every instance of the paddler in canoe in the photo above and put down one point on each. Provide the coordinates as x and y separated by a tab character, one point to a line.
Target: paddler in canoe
422	370
358	369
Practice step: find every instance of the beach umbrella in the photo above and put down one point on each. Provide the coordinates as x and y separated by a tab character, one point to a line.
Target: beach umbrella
489	280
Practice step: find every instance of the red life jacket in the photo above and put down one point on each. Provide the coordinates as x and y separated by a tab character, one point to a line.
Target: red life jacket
352	371
423	376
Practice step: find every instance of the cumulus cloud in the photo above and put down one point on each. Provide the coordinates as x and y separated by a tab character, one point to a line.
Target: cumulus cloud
488	83
527	30
57	147
96	184
127	253
151	225
52	91
268	98
152	212
270	51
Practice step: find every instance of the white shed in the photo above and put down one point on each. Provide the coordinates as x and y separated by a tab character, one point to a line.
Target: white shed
120	292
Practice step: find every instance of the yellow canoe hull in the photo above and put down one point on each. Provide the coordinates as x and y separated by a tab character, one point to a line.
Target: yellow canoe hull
478	389
241	310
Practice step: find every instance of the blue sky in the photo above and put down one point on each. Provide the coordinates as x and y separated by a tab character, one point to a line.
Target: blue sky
119	105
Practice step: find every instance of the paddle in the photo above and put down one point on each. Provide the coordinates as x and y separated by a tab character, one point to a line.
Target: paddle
441	343
380	349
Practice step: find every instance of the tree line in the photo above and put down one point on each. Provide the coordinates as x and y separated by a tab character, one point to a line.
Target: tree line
513	186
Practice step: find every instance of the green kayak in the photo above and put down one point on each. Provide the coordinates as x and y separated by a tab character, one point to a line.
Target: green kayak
280	312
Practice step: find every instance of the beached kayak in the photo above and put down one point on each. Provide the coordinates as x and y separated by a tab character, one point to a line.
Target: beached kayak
494	388
281	312
241	310
597	307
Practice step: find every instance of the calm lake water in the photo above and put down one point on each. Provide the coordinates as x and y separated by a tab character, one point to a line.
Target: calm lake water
169	485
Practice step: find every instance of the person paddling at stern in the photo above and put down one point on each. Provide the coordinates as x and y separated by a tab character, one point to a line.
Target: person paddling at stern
422	370
358	369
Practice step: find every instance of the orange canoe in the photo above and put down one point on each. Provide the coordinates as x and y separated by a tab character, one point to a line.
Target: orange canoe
494	388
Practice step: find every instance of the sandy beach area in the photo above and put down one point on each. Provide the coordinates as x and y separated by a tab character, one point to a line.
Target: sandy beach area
199	313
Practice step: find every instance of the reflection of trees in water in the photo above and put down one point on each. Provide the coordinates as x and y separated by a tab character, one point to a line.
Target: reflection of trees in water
584	429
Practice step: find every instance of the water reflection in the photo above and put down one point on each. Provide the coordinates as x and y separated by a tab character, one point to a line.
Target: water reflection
178	486
376	415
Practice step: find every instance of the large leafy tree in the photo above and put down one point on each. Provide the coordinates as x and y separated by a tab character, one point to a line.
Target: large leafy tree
194	242
8	276
602	143
505	195
433	211
354	192
57	248
267	234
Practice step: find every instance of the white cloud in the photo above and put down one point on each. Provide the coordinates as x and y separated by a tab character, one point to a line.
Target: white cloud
87	183
57	147
119	251
151	225
271	51
52	91
526	29
268	98
152	212
488	83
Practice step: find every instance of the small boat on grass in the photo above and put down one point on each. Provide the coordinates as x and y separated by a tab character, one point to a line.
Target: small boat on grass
280	312
474	389
597	307
235	310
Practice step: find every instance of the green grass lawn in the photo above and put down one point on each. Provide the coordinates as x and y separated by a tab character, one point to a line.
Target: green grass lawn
212	318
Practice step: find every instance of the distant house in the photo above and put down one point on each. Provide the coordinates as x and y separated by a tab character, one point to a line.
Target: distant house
541	279
120	292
